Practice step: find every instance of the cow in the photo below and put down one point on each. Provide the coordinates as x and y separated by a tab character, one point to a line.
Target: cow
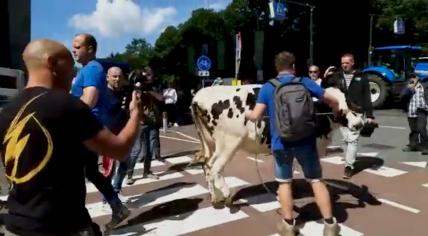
219	116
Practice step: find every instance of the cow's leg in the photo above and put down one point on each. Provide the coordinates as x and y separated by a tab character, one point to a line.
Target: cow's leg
225	150
203	133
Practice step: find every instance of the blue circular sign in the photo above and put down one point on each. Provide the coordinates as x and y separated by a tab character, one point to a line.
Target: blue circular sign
204	63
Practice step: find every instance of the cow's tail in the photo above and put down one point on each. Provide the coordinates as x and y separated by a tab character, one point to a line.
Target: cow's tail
196	113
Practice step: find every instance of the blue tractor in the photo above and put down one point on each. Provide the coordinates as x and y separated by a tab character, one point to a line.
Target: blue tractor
389	69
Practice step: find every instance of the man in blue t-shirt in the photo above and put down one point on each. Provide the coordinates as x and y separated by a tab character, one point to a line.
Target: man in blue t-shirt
304	151
90	86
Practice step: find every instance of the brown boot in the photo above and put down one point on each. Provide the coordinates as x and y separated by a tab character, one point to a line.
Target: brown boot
331	229
286	229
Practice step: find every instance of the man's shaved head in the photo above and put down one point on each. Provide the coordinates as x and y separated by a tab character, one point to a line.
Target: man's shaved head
41	52
49	63
114	77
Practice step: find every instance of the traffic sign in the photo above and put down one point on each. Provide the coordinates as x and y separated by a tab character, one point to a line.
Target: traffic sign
203	63
203	73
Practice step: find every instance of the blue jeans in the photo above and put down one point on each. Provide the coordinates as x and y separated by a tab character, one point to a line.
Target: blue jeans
147	143
120	175
306	155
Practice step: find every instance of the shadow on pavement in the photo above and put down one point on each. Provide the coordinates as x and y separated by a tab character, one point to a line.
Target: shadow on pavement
183	153
365	162
308	210
174	210
148	197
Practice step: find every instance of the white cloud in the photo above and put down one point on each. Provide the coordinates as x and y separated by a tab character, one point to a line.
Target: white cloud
218	6
113	18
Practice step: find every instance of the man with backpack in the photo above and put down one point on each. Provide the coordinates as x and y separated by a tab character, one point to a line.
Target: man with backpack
288	102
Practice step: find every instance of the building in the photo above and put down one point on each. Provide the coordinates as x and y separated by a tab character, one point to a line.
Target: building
15	22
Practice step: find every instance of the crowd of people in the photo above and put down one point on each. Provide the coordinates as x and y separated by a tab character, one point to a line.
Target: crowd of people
53	133
57	129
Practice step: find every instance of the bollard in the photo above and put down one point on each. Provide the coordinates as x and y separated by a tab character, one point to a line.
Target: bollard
164	121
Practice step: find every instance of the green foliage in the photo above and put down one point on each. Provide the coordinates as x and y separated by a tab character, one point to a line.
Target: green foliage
138	53
413	12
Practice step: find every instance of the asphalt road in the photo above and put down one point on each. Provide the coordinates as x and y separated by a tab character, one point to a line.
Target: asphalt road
387	195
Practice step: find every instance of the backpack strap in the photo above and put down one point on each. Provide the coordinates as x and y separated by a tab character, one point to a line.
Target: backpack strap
297	80
275	82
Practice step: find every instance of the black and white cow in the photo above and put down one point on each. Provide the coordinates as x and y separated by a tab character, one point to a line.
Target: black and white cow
219	116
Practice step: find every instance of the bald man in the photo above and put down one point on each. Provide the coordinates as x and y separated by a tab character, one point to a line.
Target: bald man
43	133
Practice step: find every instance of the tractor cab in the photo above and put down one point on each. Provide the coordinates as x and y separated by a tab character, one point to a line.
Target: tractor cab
389	70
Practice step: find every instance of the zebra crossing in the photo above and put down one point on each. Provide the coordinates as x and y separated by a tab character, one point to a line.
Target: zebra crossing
193	220
196	214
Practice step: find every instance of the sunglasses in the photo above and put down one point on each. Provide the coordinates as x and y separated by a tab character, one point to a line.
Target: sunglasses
313	71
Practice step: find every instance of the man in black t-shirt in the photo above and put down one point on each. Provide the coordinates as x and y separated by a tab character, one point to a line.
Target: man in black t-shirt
44	133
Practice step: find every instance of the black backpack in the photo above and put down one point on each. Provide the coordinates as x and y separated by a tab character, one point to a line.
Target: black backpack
294	110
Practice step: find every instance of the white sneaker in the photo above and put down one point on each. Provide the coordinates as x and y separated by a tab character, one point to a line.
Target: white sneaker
175	125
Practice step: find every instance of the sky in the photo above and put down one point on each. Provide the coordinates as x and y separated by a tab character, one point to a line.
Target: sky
114	23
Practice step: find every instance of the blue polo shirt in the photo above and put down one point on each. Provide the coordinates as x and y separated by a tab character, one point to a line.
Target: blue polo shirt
267	97
92	74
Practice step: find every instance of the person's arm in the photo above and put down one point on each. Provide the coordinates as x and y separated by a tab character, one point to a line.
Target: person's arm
257	113
174	96
115	146
90	96
156	95
93	79
105	142
366	96
259	110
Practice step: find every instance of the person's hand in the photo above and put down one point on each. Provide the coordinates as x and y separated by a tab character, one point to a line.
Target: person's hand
370	120
329	71
134	105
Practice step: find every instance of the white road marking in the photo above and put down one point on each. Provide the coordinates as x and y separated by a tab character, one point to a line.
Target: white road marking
264	202
381	171
367	154
422	164
179	139
398	205
90	188
334	147
258	160
185	223
155	163
392	127
162	196
179	160
194	171
187	136
166	195
317	227
386	171
337	160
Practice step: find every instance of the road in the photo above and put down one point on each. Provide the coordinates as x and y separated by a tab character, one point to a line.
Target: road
388	195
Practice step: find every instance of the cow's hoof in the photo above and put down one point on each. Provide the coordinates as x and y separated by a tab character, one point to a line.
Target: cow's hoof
218	205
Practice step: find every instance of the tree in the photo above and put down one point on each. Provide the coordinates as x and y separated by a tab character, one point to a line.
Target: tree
414	13
138	53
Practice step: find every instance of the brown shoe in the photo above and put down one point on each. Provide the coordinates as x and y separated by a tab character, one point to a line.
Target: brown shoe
286	229
331	229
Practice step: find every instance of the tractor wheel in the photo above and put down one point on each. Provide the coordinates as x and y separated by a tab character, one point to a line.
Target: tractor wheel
379	90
